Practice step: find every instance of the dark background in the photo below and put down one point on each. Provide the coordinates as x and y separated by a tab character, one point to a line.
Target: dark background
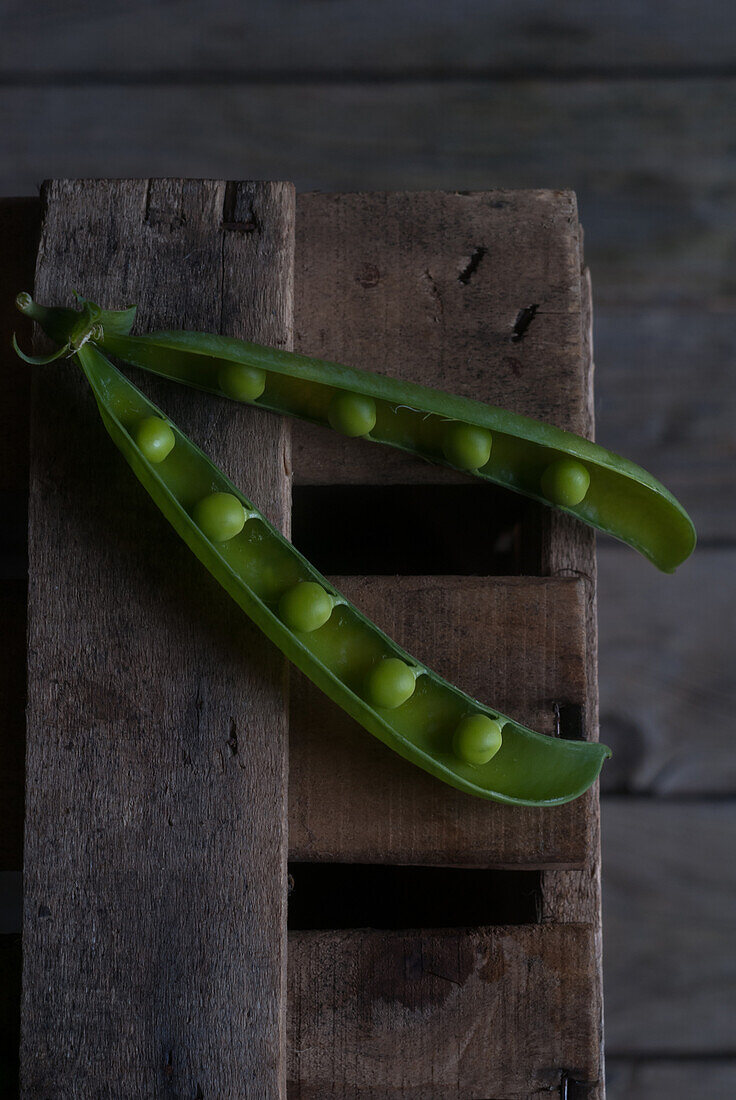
632	104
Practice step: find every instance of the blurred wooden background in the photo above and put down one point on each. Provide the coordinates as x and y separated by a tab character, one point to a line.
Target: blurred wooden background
632	105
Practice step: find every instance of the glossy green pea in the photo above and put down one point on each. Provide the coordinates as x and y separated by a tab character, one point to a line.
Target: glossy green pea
241	382
565	482
477	739
257	570
305	607
622	499
155	438
220	516
352	414
466	446
390	683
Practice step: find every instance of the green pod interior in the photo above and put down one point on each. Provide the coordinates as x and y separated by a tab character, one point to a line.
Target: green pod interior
621	499
259	565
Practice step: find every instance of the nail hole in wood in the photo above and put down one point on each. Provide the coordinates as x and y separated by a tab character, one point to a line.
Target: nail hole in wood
569	721
524	319
474	262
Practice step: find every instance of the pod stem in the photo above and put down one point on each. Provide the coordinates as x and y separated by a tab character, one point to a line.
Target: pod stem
74	327
58	324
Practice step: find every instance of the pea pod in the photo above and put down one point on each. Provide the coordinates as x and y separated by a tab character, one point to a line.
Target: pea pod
538	460
411	709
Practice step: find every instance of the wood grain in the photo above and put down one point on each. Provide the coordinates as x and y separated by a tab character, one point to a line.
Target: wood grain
415	38
428	287
376	308
668	920
665	395
154	931
560	555
569	549
377	282
648	406
647	159
674	1079
668	695
517	643
437	1014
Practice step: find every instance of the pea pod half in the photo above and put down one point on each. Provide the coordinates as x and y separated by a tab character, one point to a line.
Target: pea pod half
553	466
410	708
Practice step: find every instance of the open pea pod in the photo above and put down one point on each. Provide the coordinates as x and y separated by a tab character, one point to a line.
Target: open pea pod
553	466
411	709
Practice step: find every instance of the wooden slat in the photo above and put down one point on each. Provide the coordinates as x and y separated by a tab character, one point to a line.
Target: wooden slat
668	695
154	934
413	38
659	225
498	1012
669	898
515	643
428	287
675	1079
665	395
569	550
438	336
375	329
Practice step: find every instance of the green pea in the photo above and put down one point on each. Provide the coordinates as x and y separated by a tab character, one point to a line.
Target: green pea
466	446
220	516
241	382
476	739
352	414
565	482
390	683
155	438
305	607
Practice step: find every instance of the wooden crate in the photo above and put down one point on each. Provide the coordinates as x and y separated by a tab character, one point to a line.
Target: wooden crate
438	946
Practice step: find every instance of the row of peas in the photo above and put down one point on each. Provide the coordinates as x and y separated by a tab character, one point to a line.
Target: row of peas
307	606
527	456
564	482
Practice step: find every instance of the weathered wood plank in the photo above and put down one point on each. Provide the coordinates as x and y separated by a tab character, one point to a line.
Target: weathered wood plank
665	396
582	1005
646	158
496	1012
677	1079
428	287
569	550
371	327
154	932
668	901
413	38
516	643
667	691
